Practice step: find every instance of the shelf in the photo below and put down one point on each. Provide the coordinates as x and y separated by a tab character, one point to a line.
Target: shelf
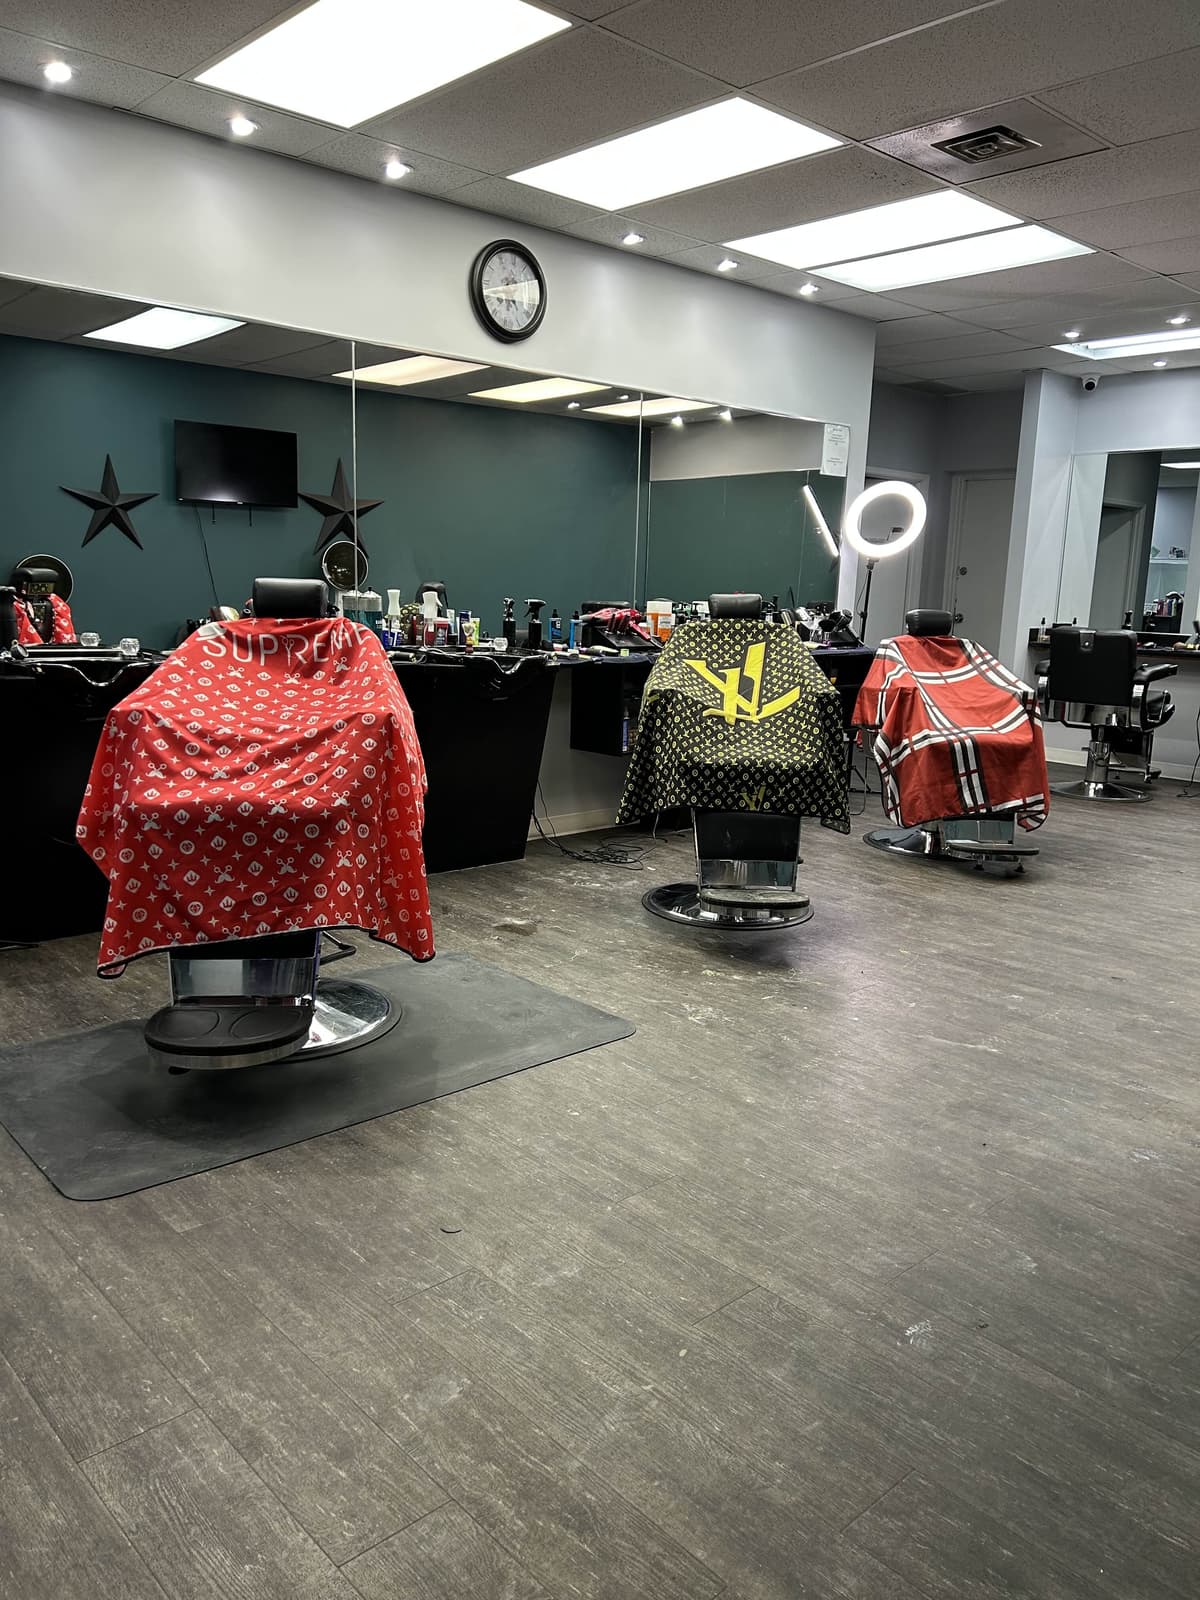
1169	561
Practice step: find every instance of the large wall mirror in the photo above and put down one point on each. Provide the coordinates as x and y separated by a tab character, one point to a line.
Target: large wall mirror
1130	554
492	480
737	501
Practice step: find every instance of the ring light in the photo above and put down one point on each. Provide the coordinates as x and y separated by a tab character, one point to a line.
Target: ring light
852	526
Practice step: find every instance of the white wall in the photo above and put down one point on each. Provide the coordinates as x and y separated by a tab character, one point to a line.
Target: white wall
103	200
732	449
1173	513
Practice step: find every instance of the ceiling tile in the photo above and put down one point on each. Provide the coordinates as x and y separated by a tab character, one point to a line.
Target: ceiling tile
760	38
789	283
519	201
1173	216
1110	324
798	191
1071	310
364	157
63	313
968	366
915	329
1142	101
873	307
704	258
107	83
189	106
323	360
575	89
611	229
1050	138
170	36
12	289
1107	178
1190	281
980	342
589	10
1172	255
252	342
993	54
1074	274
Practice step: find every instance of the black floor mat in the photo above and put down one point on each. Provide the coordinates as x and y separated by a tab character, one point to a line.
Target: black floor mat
100	1121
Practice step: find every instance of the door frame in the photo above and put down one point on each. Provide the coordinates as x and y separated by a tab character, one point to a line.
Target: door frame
1133	559
954	521
916	554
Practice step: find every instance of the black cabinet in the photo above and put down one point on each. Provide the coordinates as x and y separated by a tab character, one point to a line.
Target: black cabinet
606	697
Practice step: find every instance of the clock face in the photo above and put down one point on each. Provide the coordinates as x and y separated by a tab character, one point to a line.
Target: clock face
509	290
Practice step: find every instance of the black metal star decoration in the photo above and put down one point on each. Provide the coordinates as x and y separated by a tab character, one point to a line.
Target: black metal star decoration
110	508
340	510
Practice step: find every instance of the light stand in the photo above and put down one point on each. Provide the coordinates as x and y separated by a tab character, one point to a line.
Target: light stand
873	553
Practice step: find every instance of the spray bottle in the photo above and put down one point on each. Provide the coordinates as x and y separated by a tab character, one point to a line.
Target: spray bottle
508	625
533	638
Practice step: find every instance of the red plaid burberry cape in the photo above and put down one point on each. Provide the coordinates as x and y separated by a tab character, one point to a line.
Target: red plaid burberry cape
265	779
957	735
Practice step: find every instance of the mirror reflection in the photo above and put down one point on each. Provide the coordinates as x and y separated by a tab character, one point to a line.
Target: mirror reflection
1127	560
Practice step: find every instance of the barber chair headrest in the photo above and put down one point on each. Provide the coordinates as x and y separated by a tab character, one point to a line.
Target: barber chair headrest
735	605
928	624
289	597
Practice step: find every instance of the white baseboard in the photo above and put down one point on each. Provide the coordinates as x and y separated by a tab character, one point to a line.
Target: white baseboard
575	822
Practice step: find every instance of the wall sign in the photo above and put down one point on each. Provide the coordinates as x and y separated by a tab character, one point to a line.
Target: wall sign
835	449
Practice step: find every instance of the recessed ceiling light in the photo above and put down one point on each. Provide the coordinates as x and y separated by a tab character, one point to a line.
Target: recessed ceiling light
524	394
164	329
1158	363
677	422
925	220
57	72
572	405
1073	333
648	408
411	369
728	265
1178	322
634	238
343	61
1134	344
726	415
622	397
808	289
241	127
958	258
697	148
397	169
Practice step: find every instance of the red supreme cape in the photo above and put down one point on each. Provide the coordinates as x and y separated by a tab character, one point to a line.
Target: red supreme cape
266	778
957	734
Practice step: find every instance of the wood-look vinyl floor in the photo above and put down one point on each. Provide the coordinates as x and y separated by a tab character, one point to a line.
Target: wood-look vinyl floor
866	1270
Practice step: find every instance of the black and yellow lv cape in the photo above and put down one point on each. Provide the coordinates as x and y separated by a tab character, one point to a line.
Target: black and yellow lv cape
737	716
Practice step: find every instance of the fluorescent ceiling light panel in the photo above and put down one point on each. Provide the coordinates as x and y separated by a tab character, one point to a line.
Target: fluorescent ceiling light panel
649	408
818	517
539	389
343	61
925	220
164	329
1134	344
959	258
411	369
697	148
1182	466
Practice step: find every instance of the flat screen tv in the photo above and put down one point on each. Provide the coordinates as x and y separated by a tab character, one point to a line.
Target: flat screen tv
234	466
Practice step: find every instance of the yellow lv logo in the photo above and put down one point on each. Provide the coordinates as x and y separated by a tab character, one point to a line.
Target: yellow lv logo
736	706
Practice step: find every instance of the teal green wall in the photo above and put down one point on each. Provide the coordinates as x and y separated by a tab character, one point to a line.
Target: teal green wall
751	532
492	502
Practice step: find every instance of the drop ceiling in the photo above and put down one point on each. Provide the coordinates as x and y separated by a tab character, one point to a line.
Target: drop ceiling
1106	86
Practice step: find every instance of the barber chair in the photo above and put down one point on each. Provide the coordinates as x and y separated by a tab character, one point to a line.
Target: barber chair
1092	680
985	840
746	861
249	1002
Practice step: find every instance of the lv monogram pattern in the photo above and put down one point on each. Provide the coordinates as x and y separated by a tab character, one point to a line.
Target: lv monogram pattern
737	716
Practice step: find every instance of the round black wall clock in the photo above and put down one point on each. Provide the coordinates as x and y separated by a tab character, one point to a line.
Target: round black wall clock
508	290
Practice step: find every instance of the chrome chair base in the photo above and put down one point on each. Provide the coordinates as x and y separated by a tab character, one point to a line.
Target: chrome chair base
993	845
344	1015
1100	789
735	911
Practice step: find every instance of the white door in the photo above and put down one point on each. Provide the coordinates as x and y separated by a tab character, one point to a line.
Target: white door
895	586
981	508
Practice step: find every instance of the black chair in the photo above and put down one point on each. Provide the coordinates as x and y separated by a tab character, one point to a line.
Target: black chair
987	840
746	861
248	1002
1093	681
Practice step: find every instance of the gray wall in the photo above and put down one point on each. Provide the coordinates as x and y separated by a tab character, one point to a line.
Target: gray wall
1173	514
725	449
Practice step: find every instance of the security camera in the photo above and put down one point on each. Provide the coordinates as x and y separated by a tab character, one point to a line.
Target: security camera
1088	384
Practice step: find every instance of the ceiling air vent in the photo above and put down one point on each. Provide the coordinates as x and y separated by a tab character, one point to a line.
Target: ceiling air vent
986	144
